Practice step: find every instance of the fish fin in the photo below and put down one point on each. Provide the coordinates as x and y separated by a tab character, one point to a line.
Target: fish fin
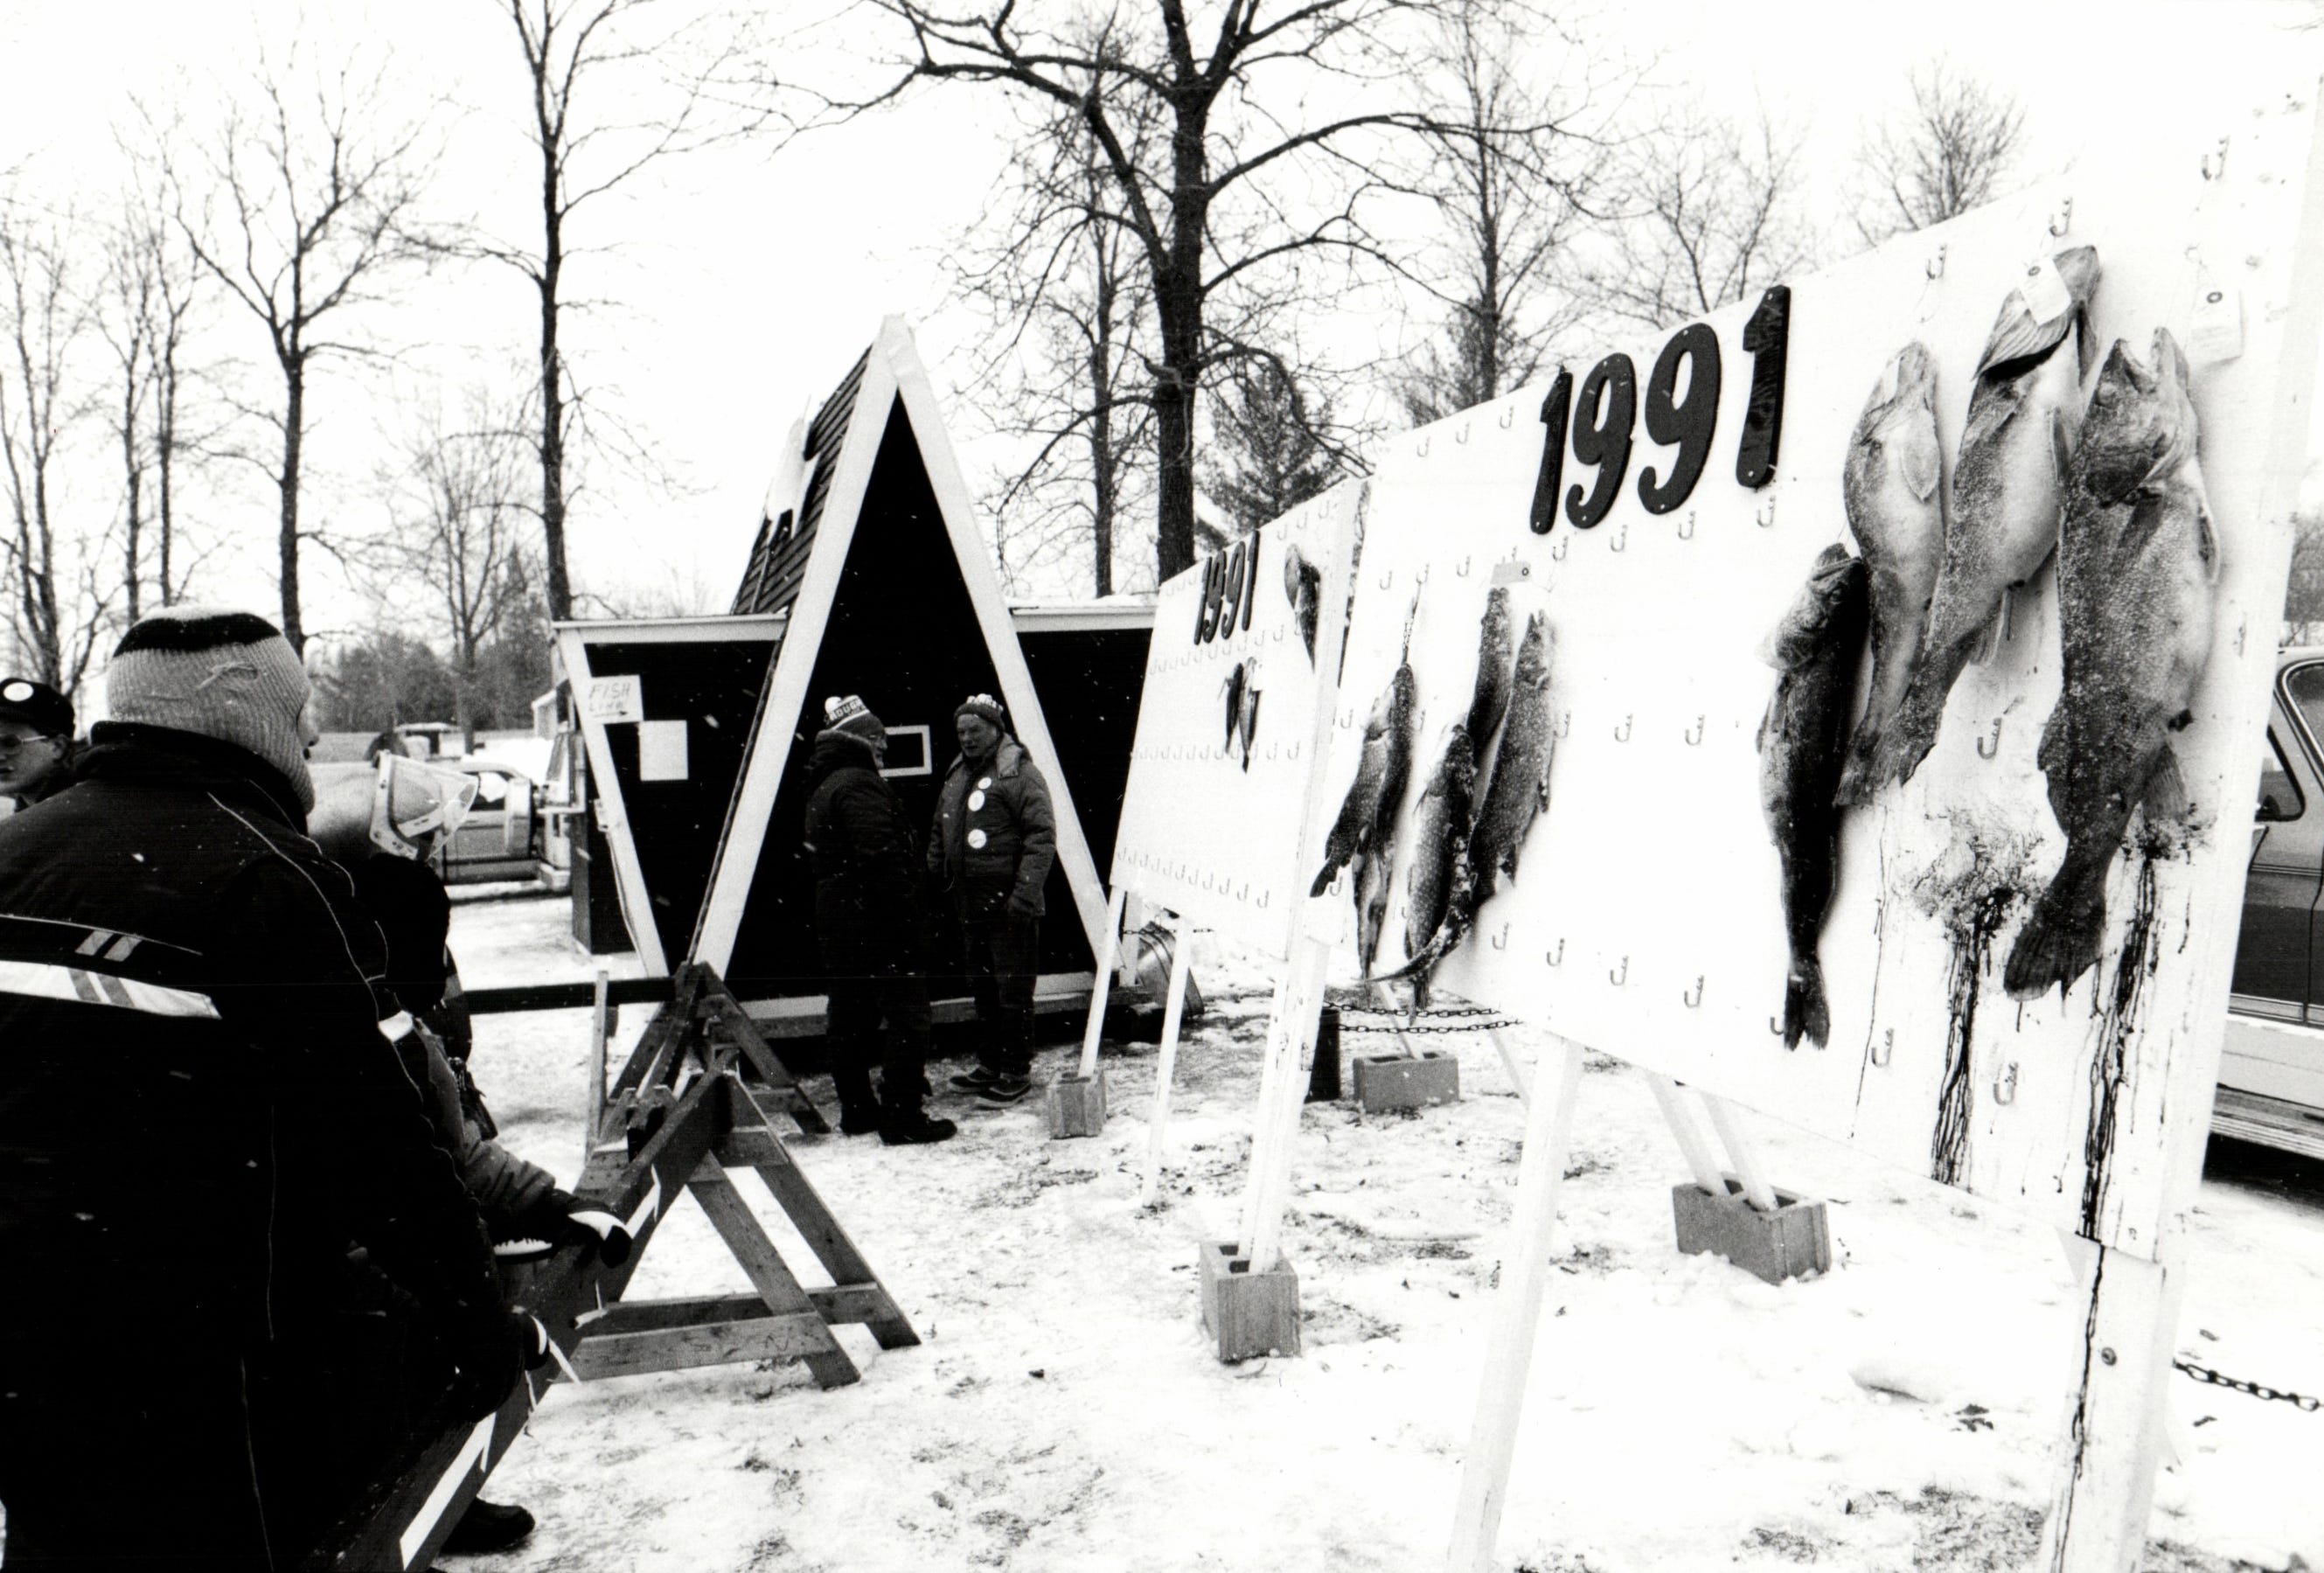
2207	543
1859	777
1920	463
2061	448
2166	798
2059	941
1806	1012
1997	632
2016	336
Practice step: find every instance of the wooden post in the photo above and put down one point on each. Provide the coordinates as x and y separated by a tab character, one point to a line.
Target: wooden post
1689	1134
1158	1121
1108	948
1509	1061
1742	1154
1290	1039
2113	1424
600	1029
1516	1317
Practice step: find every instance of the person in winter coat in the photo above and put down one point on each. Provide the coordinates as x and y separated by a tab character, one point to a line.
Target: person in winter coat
198	1112
869	926
994	839
36	741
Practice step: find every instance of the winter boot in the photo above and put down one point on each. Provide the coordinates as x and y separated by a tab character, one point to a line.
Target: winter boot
488	1527
903	1123
860	1118
975	1079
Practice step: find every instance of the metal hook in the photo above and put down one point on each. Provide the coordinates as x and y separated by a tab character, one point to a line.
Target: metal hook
1294	753
2215	162
1774	1027
1557	548
1509	412
1347	718
1422	576
1556	958
1621	977
1887	1049
1767	512
1388	578
1243	894
1501	940
1422	449
2004	1086
1694	732
1986	748
1263	898
1270	751
1686	530
2062	219
1622	732
1694	997
1621	538
1462	571
1461	437
1936	269
1565	723
2240	629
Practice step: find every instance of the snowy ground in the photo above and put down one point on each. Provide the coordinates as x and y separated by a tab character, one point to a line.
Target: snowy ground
1065	1410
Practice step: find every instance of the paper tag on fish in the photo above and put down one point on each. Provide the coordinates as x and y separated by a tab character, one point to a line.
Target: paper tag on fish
2215	322
2045	293
1512	572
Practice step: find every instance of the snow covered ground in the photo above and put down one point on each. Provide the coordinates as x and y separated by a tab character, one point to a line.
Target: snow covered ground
1065	1410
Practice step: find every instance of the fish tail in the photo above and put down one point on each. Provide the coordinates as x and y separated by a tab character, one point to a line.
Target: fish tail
1806	1012
2060	940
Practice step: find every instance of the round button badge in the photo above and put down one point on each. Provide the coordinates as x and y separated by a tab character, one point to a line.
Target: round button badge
976	838
976	800
17	691
986	782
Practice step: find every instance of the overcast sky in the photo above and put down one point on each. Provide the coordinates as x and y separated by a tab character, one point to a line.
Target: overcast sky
748	281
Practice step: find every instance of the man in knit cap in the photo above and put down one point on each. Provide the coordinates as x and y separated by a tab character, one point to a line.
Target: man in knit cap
991	849
198	1113
36	741
869	926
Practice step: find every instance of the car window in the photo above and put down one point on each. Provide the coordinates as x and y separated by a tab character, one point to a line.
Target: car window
2279	794
2304	684
492	791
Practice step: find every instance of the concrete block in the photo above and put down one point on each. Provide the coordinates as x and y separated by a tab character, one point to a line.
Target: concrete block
1077	1106
1387	1081
1249	1313
1787	1243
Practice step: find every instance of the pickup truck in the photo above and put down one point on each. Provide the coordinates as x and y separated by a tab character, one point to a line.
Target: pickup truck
2271	1069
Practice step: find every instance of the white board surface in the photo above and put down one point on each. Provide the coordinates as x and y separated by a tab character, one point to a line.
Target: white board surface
1645	920
1214	812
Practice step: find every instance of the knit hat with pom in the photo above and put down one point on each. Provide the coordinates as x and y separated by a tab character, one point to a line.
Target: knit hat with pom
225	674
985	705
848	716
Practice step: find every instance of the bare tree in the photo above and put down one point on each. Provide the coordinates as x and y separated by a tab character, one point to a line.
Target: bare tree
1271	122
57	605
459	514
1953	150
1702	213
1511	166
580	53
1070	306
321	202
1265	456
126	319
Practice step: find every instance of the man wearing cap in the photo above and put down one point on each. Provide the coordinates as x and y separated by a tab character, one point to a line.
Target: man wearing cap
869	926
198	1113
994	839
36	746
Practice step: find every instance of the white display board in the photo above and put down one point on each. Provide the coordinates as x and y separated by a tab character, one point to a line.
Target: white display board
1646	915
1233	718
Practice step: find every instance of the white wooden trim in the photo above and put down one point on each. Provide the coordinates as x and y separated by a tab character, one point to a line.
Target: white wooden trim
664	631
1741	1152
1290	1050
1516	1316
628	877
1685	1132
1092	619
1109	947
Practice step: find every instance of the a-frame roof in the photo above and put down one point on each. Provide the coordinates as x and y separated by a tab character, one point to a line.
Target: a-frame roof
796	567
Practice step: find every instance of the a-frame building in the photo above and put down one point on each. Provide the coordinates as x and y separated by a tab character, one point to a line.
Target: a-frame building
870	554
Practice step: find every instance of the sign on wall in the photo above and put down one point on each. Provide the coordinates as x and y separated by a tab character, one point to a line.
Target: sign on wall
1641	628
1239	679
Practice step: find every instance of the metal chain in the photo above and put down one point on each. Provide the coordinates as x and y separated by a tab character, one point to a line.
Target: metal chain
2253	1389
1454	1020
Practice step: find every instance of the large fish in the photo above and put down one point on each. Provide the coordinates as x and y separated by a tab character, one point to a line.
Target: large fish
1441	823
1490	701
2137	567
1897	515
1366	816
1372	873
2008	482
1802	741
1303	586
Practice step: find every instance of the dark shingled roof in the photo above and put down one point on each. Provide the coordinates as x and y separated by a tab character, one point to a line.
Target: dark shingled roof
778	556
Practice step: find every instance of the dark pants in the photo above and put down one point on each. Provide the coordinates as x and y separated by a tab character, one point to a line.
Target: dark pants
1003	953
859	1003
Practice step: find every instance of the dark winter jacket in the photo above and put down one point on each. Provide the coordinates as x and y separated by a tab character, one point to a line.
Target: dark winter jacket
197	1107
994	830
868	914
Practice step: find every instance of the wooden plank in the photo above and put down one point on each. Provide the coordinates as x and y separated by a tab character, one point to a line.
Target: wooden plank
1174	1013
1109	947
566	996
838	1305
1291	1043
600	1025
1742	1152
1686	1132
797	1196
799	1335
733	1027
1516	1317
763	1265
1521	1078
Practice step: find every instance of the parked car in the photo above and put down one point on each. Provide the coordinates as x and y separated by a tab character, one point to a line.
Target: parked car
2272	1071
502	836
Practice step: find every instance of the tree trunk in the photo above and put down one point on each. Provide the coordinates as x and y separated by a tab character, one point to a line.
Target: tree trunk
552	396
135	476
294	417
165	447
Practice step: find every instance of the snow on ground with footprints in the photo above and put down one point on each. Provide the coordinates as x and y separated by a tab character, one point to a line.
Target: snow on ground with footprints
1066	1409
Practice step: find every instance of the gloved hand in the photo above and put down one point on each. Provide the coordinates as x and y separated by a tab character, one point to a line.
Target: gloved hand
594	1226
488	1355
1022	907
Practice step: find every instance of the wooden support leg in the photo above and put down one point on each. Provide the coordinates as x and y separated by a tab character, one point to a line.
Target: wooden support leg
1742	1152
763	1265
600	1029
1109	947
1509	1062
1290	1041
1516	1316
1689	1134
1173	1013
2123	1345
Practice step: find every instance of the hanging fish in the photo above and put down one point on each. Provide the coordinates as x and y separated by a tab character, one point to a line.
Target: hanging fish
1247	724
1237	676
1803	744
1303	586
2138	565
1371	905
1366	816
1441	823
1491	700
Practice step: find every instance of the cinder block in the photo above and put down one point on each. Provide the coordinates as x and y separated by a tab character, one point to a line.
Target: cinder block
1386	1081
1249	1313
1793	1240
1077	1106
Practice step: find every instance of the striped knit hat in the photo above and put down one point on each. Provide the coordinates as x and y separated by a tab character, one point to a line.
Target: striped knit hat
849	717
226	675
985	705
